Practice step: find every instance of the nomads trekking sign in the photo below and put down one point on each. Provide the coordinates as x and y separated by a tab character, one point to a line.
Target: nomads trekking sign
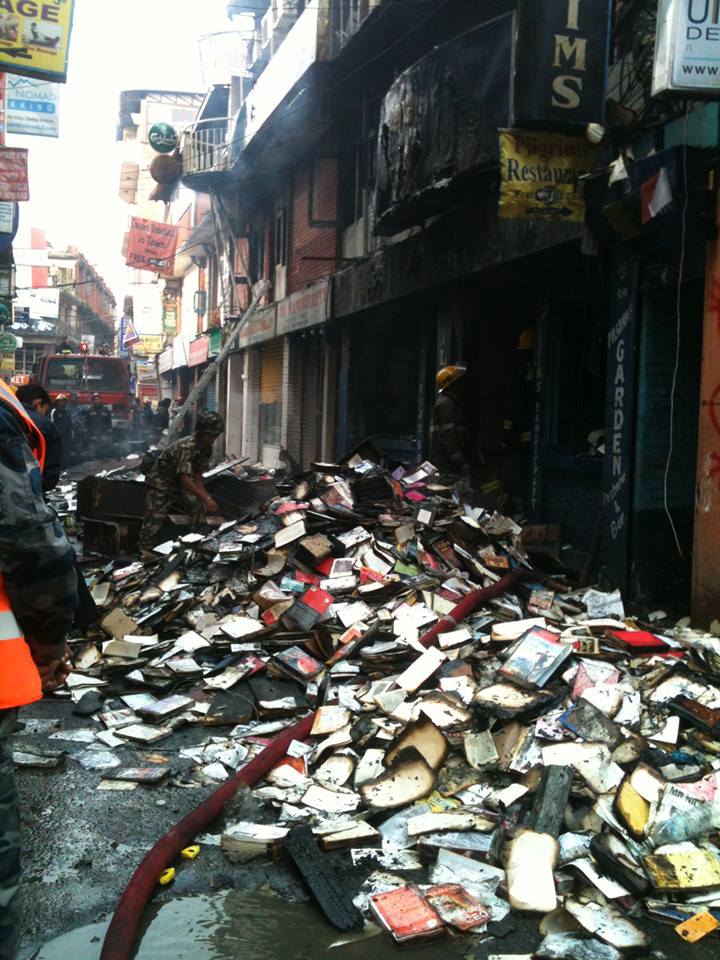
687	48
35	38
560	63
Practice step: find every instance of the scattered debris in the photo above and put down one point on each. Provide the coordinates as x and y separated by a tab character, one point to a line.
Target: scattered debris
537	751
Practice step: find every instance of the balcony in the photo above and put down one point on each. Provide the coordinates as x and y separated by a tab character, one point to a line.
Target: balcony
205	153
439	126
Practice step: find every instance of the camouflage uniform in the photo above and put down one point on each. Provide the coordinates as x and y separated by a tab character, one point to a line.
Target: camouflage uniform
38	565
165	493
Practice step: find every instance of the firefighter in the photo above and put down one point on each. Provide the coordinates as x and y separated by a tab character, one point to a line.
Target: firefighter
174	477
448	428
38	601
98	420
63	421
38	405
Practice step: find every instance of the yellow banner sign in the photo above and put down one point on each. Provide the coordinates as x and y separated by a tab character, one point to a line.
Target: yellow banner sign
7	363
540	175
35	38
149	343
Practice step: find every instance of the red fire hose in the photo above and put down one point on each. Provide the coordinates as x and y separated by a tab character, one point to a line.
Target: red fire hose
122	933
470	603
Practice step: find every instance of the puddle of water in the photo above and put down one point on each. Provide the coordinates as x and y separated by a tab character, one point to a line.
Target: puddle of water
234	926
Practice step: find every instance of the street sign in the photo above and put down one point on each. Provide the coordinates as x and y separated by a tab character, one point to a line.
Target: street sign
8	343
163	138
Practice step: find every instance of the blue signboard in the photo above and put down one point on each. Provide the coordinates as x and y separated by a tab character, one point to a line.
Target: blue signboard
620	416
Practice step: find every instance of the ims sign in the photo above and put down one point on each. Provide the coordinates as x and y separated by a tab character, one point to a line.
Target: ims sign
561	55
687	48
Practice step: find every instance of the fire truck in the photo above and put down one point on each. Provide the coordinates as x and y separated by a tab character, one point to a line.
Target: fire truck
84	374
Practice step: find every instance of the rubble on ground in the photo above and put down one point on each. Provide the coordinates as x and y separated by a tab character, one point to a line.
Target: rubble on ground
547	754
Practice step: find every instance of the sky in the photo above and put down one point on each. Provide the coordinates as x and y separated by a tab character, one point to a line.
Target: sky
74	180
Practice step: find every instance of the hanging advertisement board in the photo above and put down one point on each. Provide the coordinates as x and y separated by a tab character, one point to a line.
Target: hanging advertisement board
540	175
32	107
687	47
35	38
560	62
14	174
152	245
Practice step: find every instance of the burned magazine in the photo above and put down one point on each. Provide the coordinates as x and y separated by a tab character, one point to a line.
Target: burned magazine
535	658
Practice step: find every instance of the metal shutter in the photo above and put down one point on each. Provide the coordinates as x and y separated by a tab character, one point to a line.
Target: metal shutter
271	372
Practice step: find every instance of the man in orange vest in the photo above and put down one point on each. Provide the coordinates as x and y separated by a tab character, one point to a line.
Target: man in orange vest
38	600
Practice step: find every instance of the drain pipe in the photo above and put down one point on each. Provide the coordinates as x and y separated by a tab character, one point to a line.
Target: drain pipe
121	936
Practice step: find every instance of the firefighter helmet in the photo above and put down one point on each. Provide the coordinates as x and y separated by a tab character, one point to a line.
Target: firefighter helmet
448	375
211	423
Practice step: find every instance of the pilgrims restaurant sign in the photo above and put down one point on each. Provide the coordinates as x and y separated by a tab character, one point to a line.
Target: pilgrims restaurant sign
561	58
540	176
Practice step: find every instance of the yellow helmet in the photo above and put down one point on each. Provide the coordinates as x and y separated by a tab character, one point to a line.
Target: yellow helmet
448	375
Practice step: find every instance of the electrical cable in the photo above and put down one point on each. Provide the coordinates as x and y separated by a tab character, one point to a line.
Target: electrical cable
673	389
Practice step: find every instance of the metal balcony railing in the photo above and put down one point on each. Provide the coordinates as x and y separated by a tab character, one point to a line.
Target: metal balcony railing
204	147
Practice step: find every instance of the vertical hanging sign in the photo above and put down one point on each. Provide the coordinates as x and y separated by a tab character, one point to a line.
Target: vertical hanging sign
561	58
619	418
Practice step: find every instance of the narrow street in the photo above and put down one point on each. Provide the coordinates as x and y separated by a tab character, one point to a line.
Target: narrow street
359	479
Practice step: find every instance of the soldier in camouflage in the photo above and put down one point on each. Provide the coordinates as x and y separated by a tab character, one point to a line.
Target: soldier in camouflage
175	481
37	565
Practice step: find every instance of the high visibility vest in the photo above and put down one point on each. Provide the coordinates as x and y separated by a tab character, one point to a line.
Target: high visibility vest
19	678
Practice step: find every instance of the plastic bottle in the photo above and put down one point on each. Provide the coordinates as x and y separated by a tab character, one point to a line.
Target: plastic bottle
687	825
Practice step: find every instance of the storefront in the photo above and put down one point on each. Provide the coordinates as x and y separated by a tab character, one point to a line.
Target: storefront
165	370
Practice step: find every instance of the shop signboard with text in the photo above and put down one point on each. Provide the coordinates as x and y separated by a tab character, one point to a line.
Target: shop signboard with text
14	185
560	62
35	38
152	245
32	107
687	48
306	308
540	176
199	351
261	326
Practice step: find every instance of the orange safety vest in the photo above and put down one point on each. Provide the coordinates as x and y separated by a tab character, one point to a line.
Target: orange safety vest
19	678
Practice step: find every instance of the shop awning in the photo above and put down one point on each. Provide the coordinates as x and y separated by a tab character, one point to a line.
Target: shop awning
201	237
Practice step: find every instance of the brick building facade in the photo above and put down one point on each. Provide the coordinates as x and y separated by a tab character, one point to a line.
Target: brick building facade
358	179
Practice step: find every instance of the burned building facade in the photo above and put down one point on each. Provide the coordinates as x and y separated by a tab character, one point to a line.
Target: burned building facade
355	177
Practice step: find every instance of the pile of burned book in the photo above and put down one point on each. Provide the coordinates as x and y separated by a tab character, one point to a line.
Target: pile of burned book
531	749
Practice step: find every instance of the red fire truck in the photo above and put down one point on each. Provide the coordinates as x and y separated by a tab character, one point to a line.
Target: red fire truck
85	374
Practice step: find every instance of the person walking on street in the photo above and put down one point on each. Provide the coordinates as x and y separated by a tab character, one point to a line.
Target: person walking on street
63	421
37	403
38	602
98	420
175	478
448	428
162	416
78	425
